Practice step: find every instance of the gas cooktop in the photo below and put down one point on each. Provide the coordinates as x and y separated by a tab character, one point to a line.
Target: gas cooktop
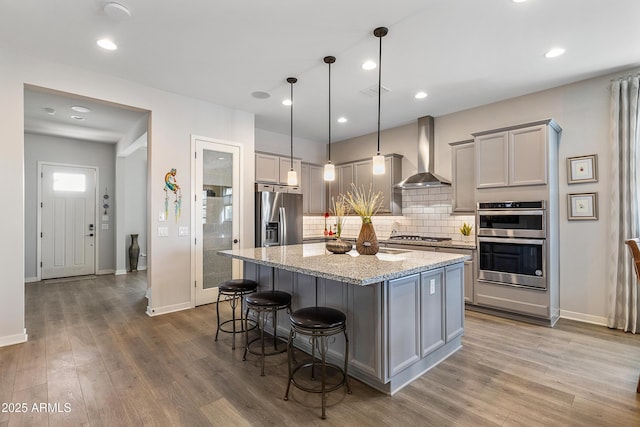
422	238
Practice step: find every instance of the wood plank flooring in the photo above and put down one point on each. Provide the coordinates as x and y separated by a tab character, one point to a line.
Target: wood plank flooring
97	359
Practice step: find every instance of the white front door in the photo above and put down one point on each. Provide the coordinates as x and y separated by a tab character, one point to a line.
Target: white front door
217	217
67	220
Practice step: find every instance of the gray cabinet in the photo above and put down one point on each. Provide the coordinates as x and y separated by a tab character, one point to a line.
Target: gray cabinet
432	334
272	169
514	156
404	323
360	173
313	189
453	296
469	271
463	179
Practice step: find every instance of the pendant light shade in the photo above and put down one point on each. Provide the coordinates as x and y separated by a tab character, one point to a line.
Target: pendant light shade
329	168
292	176
378	160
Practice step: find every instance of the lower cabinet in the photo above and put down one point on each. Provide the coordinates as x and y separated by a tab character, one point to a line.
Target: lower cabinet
453	297
403	323
432	315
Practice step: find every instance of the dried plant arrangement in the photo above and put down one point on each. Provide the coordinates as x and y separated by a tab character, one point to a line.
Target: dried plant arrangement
364	203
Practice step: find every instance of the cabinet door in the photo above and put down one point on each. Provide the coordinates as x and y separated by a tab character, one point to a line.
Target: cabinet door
492	160
469	271
305	185
454	301
463	177
317	189
285	167
403	323
384	184
431	313
363	174
268	168
528	156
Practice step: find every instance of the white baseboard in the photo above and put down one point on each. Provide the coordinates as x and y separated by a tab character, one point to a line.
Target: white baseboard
14	339
581	317
107	271
120	272
31	279
140	268
168	309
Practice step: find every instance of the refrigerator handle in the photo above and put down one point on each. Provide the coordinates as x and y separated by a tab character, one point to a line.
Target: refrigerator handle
283	226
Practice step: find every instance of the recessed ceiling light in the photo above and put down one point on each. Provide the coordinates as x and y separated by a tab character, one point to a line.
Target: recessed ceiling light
260	94
369	65
420	95
116	10
77	117
556	51
107	44
287	102
49	110
81	109
518	1
342	120
220	158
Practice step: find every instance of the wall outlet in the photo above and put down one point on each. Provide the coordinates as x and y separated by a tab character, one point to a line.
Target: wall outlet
432	286
183	231
163	231
161	216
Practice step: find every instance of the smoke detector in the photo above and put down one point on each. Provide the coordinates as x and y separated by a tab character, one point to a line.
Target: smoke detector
373	90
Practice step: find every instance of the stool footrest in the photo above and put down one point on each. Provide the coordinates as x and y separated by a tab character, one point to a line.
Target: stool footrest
318	367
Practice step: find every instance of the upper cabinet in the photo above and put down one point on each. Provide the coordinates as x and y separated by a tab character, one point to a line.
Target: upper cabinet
463	181
313	189
360	173
273	169
514	156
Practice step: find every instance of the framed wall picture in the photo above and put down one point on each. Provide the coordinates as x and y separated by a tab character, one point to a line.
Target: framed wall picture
582	206
582	169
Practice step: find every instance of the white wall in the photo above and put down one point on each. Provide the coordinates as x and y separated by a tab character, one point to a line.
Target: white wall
582	110
68	151
135	199
305	149
174	119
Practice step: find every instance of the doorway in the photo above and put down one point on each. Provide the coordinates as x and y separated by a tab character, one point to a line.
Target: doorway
217	215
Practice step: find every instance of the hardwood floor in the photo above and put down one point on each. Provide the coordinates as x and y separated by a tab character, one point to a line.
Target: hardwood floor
94	352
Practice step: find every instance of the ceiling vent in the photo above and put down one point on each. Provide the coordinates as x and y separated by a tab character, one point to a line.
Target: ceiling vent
373	90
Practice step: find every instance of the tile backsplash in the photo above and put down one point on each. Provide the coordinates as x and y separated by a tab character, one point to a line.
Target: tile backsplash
425	212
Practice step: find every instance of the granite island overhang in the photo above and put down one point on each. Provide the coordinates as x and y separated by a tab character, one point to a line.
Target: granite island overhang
405	309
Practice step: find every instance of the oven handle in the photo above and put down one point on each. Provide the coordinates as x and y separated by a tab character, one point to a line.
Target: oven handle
503	212
539	242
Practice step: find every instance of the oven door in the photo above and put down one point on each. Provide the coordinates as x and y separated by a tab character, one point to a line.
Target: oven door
507	223
512	261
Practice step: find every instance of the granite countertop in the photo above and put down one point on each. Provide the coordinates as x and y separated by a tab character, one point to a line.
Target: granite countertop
313	259
454	244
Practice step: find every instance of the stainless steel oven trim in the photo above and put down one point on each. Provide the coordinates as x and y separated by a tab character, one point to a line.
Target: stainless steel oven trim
535	282
501	232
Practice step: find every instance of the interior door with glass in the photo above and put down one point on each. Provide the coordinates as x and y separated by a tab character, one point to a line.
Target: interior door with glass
67	221
217	222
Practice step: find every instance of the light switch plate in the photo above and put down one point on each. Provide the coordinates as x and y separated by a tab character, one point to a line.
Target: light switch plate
183	231
161	216
432	286
163	231
105	226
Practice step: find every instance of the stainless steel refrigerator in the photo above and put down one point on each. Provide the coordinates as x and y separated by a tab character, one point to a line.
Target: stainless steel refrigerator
278	218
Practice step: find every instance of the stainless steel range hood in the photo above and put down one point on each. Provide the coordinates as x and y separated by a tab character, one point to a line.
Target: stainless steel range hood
425	176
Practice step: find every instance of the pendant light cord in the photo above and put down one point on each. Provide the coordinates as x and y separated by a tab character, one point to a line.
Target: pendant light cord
330	111
379	88
291	125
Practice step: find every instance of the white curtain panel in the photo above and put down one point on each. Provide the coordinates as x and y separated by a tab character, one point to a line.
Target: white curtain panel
625	216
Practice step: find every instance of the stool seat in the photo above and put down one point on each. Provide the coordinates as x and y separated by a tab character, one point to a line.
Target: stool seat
269	299
238	285
318	318
232	291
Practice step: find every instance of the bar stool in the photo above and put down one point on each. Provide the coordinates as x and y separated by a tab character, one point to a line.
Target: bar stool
233	290
318	322
263	304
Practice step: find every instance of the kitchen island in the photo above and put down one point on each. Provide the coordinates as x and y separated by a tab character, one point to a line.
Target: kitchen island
405	309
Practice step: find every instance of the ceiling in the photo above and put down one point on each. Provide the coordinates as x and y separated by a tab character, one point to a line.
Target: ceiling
463	53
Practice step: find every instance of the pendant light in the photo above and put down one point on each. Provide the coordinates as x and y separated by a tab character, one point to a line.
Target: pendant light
329	168
292	176
378	160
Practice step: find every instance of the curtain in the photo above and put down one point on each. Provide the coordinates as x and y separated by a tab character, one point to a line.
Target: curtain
624	209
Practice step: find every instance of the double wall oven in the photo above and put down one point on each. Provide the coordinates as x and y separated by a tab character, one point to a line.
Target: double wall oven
512	243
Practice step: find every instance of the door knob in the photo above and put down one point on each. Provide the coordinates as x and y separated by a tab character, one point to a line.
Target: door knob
235	240
89	235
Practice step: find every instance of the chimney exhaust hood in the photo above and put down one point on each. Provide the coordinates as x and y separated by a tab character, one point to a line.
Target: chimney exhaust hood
425	176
